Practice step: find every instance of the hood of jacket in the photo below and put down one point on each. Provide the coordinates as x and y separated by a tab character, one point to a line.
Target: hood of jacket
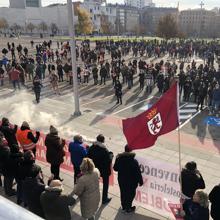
97	143
127	155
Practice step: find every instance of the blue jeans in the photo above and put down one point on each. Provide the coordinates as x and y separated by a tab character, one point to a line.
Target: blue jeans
215	105
16	82
2	82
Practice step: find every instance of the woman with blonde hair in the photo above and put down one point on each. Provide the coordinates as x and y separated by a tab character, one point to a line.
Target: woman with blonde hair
87	188
198	207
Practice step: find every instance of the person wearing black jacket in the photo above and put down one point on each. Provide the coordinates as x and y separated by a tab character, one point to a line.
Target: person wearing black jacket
129	177
102	159
191	179
118	91
197	208
214	198
33	186
103	74
10	169
37	87
9	132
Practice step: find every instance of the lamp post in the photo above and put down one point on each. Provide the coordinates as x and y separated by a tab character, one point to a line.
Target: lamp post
73	56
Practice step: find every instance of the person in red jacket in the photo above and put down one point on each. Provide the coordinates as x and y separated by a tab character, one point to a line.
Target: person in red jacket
14	75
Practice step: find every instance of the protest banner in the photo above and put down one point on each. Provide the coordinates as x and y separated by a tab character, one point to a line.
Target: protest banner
161	186
66	165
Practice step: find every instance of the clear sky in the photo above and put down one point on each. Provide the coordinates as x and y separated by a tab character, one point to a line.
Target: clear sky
184	4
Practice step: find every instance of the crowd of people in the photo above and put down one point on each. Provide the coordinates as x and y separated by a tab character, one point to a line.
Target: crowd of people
18	167
155	64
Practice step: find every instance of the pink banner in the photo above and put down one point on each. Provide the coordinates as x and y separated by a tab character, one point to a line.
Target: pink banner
66	165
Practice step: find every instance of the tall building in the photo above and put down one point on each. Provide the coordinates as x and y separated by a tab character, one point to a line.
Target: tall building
33	3
199	23
25	3
139	3
17	3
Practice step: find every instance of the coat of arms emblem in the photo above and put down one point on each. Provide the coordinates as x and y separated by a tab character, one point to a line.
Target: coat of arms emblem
155	124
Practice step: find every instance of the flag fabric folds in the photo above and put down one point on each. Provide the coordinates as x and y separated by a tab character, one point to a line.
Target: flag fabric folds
143	130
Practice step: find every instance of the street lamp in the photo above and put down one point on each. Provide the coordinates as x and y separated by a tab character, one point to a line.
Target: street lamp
73	56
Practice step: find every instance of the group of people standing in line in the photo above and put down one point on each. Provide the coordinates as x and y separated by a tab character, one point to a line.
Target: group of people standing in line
18	162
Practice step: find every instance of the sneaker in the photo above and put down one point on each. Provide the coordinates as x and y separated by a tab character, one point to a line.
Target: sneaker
106	201
132	209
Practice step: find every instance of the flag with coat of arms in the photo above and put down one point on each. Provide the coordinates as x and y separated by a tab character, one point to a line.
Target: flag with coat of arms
143	130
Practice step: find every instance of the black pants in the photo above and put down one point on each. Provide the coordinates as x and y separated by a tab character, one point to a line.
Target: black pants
55	170
105	180
200	102
127	195
37	95
60	77
8	184
76	172
119	99
102	80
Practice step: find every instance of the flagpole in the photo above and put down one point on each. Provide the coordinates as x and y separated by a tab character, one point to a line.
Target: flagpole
179	142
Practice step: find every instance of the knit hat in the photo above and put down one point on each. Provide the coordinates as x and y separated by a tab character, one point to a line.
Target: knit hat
5	121
53	130
25	124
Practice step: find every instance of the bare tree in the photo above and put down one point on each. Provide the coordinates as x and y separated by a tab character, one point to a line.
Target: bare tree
30	27
54	28
16	28
3	24
43	26
167	27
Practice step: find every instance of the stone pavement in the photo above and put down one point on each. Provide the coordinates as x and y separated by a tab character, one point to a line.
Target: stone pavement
58	112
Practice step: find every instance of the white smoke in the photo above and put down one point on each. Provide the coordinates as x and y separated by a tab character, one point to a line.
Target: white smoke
21	107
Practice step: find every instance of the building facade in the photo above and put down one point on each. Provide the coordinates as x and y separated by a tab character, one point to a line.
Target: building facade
139	3
25	3
200	23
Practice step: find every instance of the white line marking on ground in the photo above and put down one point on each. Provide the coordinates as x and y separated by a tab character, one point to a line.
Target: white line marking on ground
188	110
193	116
130	106
97	100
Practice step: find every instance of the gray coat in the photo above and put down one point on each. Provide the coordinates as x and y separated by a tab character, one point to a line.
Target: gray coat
87	188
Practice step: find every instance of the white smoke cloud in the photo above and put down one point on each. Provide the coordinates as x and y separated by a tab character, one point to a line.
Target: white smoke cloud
21	107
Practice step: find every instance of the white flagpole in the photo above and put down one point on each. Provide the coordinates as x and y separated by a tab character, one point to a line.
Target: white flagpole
179	143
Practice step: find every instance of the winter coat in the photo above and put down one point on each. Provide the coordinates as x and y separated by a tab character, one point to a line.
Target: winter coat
87	188
4	155
194	211
11	164
191	181
10	134
77	152
32	189
101	157
128	170
216	94
55	151
214	198
55	204
14	74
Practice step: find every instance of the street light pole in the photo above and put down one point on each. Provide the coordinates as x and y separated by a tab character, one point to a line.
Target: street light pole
73	55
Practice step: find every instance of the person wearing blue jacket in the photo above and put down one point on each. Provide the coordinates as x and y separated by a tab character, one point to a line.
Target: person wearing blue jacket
77	152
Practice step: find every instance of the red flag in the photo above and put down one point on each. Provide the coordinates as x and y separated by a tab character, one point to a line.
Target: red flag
143	130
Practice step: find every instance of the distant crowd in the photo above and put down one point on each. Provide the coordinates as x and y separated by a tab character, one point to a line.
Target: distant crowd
155	64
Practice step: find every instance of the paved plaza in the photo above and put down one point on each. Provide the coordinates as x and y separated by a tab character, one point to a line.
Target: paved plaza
199	141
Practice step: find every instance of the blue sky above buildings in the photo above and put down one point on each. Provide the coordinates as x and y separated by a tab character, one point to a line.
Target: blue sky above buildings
184	4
